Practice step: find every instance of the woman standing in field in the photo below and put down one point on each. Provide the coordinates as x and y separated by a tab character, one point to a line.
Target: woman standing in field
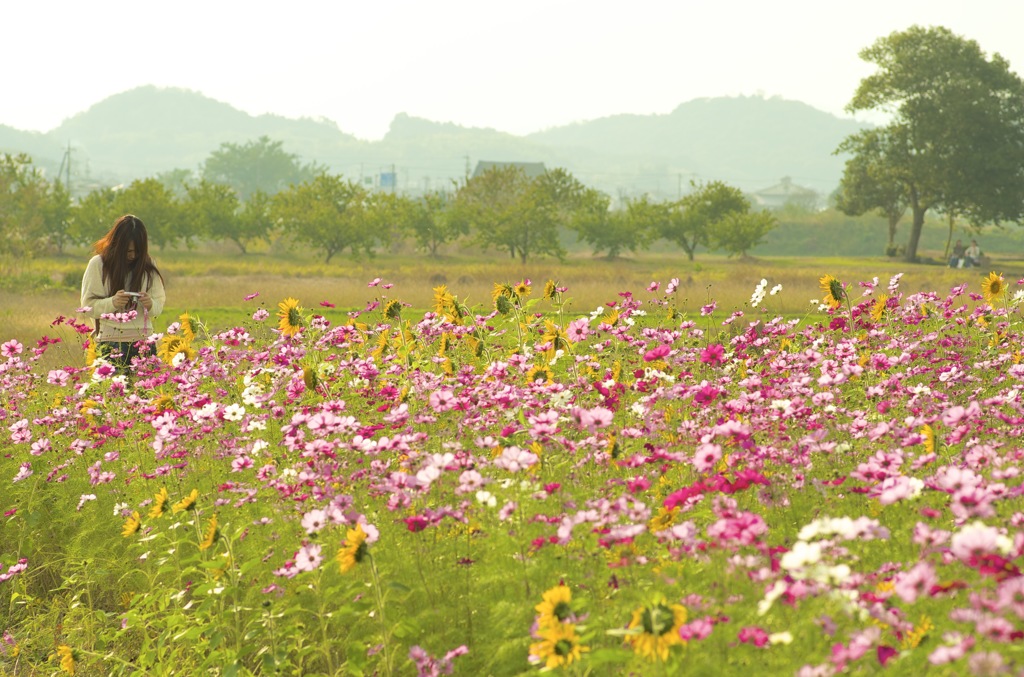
123	290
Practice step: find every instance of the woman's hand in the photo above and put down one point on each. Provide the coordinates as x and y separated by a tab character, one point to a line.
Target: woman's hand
121	300
145	301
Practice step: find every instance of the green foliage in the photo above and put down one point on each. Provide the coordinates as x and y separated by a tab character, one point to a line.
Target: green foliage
956	141
330	214
508	210
615	231
430	220
690	221
210	208
739	232
260	165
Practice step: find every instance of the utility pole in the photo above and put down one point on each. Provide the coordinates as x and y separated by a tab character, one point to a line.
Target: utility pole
467	167
394	180
65	168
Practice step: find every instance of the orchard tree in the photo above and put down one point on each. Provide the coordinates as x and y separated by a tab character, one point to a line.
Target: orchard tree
616	231
739	232
93	215
257	165
431	221
508	210
210	209
155	204
329	214
690	221
956	139
23	196
870	182
254	222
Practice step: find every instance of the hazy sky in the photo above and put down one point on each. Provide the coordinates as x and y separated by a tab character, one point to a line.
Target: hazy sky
517	66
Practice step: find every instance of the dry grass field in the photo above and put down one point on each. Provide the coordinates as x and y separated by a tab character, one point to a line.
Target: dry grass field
214	283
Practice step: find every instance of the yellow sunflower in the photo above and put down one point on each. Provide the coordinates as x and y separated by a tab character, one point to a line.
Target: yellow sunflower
559	645
90	351
928	433
522	290
540	372
878	308
188	326
290	315
67	658
656	629
159	503
210	535
172	345
186	503
555	335
132	524
664	519
993	287
500	290
556	606
393	309
443	300
550	289
354	549
832	291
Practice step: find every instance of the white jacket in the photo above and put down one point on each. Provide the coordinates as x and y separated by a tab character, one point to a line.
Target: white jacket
95	297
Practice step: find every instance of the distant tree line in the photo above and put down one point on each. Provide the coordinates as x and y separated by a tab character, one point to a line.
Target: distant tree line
254	192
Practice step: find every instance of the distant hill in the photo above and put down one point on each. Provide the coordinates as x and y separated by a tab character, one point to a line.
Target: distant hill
749	142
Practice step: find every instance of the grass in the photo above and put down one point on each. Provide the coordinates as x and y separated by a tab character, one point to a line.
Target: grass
212	282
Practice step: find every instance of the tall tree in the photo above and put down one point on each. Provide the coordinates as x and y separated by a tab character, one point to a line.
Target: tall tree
256	165
739	232
329	214
690	221
956	140
23	196
510	211
210	209
155	204
430	220
869	182
619	230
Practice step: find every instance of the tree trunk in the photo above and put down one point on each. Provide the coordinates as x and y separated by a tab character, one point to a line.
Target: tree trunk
915	235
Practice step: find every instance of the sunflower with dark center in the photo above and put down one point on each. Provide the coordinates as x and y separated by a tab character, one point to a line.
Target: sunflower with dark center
290	317
353	550
541	373
833	291
656	629
559	646
556	606
993	287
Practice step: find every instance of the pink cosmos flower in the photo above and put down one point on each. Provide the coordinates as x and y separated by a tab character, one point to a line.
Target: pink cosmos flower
11	348
442	400
912	584
714	354
974	540
308	557
578	329
515	459
657	353
250	297
314	520
706	457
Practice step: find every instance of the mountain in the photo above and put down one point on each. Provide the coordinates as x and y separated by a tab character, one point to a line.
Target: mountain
749	142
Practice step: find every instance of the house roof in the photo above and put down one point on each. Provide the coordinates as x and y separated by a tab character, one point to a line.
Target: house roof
531	169
786	189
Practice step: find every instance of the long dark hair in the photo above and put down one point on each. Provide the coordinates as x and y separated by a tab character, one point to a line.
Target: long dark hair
113	250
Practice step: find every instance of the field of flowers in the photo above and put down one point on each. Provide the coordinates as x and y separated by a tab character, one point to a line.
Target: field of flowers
511	489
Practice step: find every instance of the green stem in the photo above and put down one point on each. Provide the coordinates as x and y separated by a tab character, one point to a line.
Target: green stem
380	610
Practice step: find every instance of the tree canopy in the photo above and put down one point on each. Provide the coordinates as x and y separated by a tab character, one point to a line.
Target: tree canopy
956	140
